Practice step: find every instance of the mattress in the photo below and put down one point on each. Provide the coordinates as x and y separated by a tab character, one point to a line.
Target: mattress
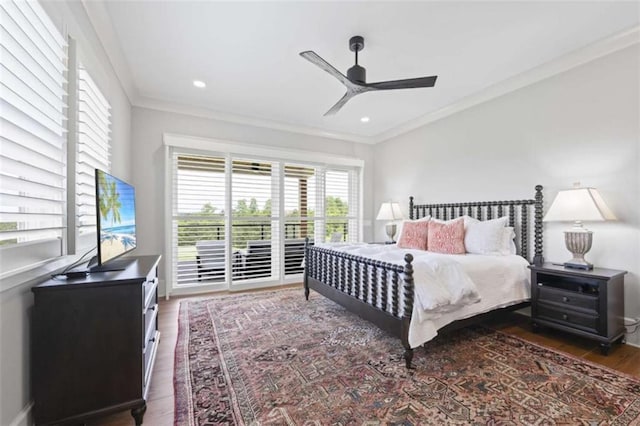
497	282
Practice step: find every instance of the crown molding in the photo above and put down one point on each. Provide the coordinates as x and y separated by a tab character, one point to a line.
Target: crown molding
161	105
102	25
559	65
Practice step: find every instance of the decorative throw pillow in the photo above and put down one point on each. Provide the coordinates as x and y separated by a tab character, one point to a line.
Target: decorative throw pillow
422	219
486	237
414	235
447	237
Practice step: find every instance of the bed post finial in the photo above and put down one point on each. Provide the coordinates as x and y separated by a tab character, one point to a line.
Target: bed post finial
408	308
411	207
538	259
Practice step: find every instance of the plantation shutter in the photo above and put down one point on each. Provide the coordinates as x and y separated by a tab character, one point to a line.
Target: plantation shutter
319	217
254	223
354	207
93	148
32	122
300	207
340	206
198	222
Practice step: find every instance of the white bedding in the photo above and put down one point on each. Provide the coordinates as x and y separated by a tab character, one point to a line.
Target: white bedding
452	287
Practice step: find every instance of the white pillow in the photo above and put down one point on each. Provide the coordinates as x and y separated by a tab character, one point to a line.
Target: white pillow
486	237
509	244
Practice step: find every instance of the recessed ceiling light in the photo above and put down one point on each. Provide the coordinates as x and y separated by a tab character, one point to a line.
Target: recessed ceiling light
365	119
199	84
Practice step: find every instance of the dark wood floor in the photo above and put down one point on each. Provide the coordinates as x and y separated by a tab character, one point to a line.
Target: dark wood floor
160	405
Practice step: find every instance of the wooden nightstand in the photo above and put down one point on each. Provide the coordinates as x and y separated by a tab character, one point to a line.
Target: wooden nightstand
586	303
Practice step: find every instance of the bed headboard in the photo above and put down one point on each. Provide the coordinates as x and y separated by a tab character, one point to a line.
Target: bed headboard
519	218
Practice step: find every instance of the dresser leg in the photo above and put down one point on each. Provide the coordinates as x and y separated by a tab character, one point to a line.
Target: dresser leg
535	327
604	348
138	413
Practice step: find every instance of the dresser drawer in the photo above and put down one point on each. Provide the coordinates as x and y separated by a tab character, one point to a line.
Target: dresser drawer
150	293
568	298
568	317
150	316
149	355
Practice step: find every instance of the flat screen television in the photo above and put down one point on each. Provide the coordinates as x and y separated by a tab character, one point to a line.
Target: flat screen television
116	222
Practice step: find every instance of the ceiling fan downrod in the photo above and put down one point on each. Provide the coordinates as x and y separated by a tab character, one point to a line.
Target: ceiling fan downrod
356	73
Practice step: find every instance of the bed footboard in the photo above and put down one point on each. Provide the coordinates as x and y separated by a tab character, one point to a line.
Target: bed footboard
377	291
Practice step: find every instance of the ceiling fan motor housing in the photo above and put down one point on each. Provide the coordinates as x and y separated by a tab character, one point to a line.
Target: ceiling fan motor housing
357	74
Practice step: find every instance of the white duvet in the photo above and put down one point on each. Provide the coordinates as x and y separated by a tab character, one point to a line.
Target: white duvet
452	287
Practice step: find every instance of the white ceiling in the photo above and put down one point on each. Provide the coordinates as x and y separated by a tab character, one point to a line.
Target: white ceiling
247	53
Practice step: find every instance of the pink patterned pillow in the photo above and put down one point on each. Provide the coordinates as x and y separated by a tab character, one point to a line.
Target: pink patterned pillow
447	237
414	235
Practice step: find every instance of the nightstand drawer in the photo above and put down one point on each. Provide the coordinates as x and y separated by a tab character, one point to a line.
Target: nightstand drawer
568	298
568	317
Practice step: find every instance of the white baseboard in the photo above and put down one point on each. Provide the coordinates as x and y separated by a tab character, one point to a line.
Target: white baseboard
24	417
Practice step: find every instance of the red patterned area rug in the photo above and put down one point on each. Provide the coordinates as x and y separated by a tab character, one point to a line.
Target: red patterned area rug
272	358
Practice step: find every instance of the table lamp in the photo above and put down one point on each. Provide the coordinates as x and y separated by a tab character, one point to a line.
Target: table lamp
578	204
390	212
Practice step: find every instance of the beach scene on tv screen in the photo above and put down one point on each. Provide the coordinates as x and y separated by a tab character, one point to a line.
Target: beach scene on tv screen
117	217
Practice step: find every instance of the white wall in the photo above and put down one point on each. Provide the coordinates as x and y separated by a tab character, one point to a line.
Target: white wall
16	302
148	126
582	125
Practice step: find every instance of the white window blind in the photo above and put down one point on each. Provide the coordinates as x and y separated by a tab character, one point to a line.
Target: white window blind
255	224
32	122
198	222
93	148
300	208
341	205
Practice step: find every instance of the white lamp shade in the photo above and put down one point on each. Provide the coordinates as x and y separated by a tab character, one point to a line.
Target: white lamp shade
389	211
583	204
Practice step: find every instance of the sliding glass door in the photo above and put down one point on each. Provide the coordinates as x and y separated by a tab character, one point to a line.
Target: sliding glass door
199	221
299	198
242	222
255	220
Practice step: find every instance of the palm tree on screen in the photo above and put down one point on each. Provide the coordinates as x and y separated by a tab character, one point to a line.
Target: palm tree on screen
109	201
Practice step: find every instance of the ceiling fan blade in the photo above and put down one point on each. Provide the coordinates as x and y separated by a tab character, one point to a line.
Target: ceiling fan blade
315	59
343	100
409	83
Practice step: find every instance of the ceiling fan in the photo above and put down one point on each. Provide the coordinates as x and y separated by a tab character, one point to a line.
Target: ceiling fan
355	80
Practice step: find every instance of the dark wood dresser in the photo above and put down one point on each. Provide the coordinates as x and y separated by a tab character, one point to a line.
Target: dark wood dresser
586	303
94	341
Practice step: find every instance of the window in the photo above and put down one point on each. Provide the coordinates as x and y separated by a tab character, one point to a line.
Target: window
300	185
93	149
242	220
340	205
198	220
32	142
255	218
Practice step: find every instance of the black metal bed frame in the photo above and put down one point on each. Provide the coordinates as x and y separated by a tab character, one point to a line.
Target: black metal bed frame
383	293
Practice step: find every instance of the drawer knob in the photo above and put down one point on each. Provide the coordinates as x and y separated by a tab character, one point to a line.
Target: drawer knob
153	339
540	284
565	317
565	299
153	308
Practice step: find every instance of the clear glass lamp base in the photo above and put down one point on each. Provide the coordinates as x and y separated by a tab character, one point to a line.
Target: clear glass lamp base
390	229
